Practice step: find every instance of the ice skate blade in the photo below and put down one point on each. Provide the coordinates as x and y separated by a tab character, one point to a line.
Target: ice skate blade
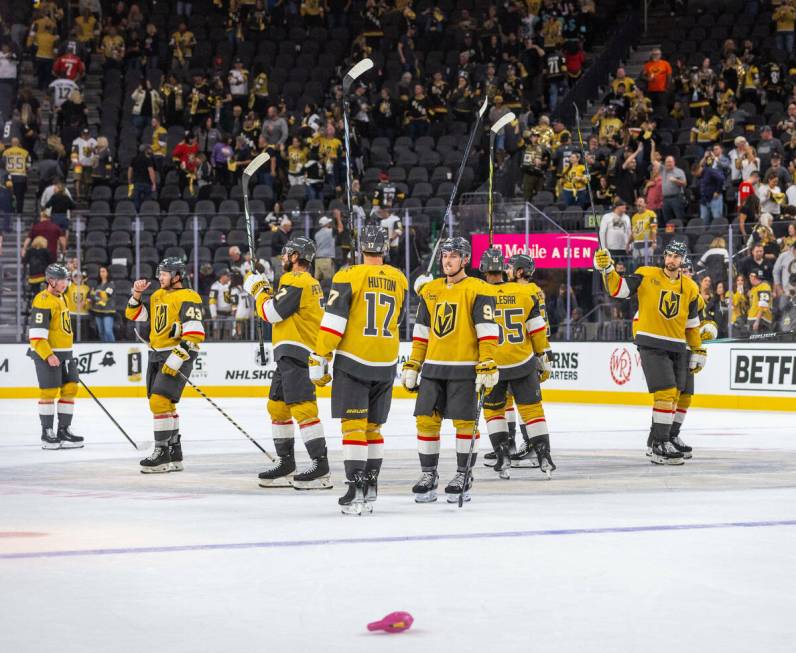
688	455
71	445
280	481
51	445
158	469
649	452
322	483
177	467
489	463
660	460
504	474
357	508
454	498
548	474
524	463
426	497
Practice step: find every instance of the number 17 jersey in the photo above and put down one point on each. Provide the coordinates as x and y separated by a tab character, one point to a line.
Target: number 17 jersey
362	321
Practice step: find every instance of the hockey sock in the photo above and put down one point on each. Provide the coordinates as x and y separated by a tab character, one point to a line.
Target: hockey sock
464	435
66	404
281	428
310	427
535	422
47	407
496	426
375	447
163	418
175	429
511	423
683	404
428	441
663	413
355	446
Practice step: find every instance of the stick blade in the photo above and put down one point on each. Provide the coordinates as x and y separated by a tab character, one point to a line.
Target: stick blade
256	164
356	72
482	110
502	122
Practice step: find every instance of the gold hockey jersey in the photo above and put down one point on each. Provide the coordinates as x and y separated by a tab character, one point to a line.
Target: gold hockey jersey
77	298
295	311
167	309
522	331
760	303
362	321
455	328
668	308
50	327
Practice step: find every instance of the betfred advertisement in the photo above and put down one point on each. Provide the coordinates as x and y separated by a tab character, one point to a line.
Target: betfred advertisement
547	250
756	369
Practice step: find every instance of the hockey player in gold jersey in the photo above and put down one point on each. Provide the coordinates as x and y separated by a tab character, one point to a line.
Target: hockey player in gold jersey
361	324
522	357
50	336
175	332
453	342
295	312
666	334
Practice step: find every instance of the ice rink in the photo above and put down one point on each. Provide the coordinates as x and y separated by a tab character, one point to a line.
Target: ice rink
614	554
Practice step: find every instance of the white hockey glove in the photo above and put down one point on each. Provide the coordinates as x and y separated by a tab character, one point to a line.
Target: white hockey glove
254	284
544	367
697	360
421	281
603	261
180	354
708	331
320	373
486	375
409	373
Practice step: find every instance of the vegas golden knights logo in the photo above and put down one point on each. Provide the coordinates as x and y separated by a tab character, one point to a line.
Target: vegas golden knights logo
66	323
444	319
161	318
669	304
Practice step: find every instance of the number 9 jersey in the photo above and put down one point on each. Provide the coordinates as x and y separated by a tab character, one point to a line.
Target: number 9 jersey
362	321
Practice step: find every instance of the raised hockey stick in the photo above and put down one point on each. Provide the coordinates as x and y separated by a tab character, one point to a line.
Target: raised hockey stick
105	410
469	469
256	163
494	130
352	75
201	393
449	209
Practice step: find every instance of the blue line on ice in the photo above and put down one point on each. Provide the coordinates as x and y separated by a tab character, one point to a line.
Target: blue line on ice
390	539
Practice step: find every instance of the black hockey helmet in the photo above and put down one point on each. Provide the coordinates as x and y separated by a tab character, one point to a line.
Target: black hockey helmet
373	240
523	262
757	272
491	260
676	247
172	264
56	271
687	265
457	244
304	247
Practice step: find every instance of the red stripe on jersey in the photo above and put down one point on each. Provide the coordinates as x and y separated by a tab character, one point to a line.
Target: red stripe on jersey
419	339
535	421
358	443
490	419
193	333
138	312
312	423
487	338
332	331
428	438
379	441
262	311
35	339
544	328
618	288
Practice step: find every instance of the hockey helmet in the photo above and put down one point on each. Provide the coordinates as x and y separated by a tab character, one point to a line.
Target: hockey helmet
373	240
492	260
677	248
304	247
56	271
687	265
172	264
457	244
523	262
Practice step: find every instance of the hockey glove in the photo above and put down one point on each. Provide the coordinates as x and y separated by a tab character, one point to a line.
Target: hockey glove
486	375
319	370
409	373
697	361
603	261
708	330
177	357
421	281
254	284
543	366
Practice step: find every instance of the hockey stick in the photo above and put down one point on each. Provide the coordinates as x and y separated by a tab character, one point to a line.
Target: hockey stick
105	410
493	132
754	337
469	469
256	163
201	393
352	75
454	191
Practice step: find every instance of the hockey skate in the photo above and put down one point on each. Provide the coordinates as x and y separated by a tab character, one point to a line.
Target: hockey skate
525	457
681	446
664	453
279	474
49	440
503	461
490	459
546	463
371	486
68	439
175	452
649	445
353	501
454	487
158	462
315	477
425	490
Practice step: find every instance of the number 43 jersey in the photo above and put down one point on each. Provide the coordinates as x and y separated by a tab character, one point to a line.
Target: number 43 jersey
522	329
167	308
362	321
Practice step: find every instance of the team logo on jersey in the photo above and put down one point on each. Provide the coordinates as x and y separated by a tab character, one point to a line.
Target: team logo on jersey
66	323
444	319
161	318
669	304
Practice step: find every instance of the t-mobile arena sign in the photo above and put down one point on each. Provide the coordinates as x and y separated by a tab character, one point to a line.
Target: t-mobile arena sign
548	250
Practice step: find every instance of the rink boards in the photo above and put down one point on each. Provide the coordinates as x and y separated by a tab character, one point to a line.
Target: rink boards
738	375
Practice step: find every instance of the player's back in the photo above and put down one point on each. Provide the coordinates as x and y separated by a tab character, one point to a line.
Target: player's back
298	301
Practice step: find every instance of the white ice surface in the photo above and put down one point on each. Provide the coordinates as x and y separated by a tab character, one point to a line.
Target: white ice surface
290	573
